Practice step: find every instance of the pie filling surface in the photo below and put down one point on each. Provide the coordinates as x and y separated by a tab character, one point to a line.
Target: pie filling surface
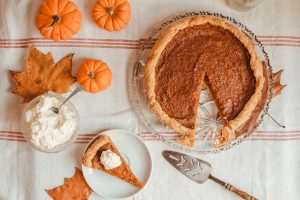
198	56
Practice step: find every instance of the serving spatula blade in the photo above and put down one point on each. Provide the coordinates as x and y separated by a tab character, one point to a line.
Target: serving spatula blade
194	168
199	171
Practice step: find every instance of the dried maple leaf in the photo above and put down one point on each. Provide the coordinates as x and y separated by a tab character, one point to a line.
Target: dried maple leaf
73	188
277	86
42	75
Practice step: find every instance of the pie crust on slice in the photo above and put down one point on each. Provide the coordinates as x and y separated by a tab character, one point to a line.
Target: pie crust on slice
197	52
91	159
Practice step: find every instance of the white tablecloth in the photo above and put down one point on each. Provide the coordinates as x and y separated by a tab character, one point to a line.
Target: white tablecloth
266	165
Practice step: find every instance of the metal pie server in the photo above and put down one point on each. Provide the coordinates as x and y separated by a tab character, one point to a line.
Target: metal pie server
199	171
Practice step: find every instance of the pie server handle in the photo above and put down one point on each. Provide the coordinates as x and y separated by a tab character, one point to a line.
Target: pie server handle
233	189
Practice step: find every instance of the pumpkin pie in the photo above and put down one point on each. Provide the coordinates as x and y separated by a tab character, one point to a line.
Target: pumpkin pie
92	156
198	52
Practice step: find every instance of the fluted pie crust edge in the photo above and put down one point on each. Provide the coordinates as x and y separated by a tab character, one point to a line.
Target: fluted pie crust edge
188	135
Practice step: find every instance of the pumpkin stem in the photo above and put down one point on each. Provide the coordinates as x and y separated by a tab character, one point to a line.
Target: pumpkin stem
56	19
110	10
91	74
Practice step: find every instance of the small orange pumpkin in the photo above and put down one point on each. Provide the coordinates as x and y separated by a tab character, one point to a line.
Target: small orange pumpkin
58	19
94	76
112	15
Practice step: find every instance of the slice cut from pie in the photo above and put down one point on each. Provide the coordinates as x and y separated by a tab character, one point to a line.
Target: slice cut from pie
92	156
198	52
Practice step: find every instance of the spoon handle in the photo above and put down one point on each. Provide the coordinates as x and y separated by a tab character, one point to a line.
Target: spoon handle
233	189
77	89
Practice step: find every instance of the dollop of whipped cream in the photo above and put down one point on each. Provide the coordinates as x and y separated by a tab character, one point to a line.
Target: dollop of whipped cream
110	160
49	129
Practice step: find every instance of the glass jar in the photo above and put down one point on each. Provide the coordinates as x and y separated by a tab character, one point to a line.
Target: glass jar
28	133
243	5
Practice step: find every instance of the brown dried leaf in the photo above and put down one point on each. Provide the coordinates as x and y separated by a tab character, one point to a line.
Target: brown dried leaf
277	86
73	188
43	75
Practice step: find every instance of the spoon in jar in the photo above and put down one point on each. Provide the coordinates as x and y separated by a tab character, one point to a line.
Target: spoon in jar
56	109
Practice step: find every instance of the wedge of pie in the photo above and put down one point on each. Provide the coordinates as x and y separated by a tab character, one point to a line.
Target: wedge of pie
92	156
199	52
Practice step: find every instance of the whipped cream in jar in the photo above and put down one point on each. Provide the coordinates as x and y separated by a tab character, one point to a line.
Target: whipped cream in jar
48	131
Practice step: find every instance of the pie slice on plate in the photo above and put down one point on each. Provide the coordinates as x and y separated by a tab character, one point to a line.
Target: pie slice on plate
93	155
198	52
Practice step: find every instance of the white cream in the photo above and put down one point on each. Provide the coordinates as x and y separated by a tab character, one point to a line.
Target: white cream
110	160
49	129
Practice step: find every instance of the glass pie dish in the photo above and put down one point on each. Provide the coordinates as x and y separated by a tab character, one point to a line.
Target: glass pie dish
208	128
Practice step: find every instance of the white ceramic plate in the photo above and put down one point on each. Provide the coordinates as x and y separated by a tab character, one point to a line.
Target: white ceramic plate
136	154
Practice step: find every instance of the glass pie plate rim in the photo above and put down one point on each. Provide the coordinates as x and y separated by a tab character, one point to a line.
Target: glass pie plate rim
138	71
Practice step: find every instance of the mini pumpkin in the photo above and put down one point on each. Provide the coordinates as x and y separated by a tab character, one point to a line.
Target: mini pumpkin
112	15
94	76
58	19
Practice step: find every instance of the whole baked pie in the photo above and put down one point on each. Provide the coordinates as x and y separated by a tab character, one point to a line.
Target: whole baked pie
199	52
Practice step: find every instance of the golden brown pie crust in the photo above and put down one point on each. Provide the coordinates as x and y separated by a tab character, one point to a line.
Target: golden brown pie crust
91	158
256	113
188	134
249	125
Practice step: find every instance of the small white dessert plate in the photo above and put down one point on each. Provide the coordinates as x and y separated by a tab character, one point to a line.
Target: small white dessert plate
135	153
